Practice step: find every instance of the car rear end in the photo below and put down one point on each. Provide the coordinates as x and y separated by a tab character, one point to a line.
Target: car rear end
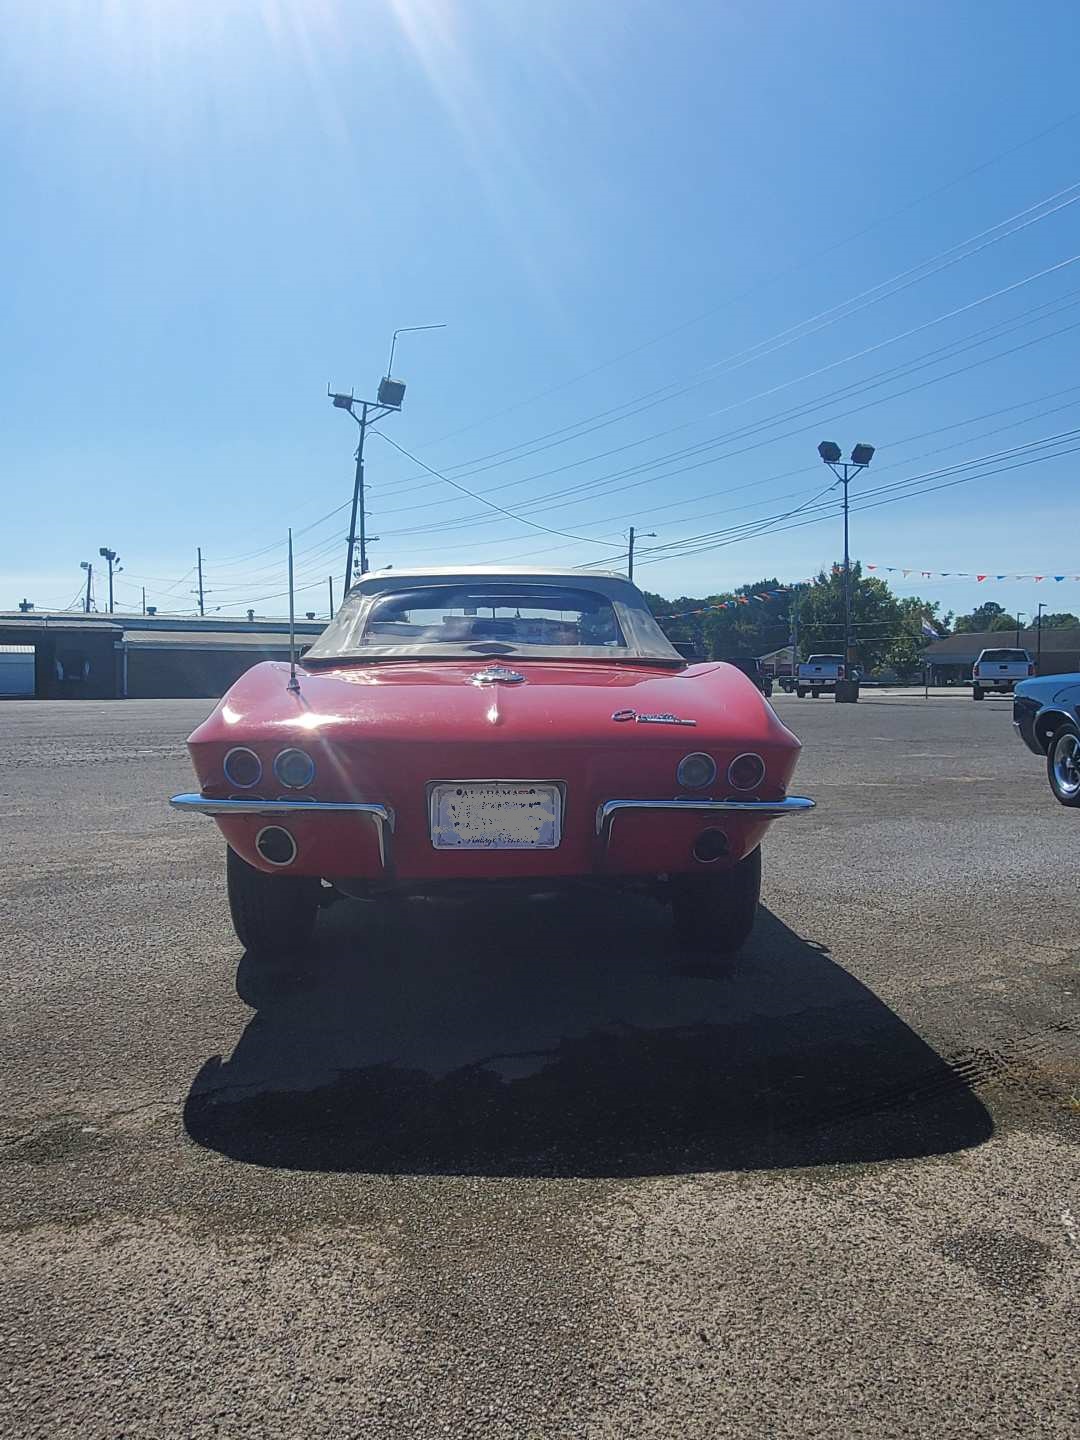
999	671
820	672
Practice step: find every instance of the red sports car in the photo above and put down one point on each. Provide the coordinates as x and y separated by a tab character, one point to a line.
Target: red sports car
484	725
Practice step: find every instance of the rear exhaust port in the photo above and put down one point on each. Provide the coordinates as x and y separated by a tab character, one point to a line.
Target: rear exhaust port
711	845
276	845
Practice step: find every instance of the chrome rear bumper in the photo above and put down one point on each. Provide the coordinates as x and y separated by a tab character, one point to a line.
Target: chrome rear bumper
762	809
382	817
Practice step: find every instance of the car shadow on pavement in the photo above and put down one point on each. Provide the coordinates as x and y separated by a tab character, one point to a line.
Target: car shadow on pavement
564	1038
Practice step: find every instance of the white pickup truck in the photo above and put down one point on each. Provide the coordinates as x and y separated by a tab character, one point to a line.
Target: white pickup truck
999	671
818	673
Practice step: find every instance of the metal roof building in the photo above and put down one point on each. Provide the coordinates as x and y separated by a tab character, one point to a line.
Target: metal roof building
953	657
96	657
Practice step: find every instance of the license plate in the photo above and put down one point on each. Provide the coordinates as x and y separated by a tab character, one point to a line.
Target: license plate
495	815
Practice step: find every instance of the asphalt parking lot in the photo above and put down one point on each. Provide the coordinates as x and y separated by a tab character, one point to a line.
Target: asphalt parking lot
508	1170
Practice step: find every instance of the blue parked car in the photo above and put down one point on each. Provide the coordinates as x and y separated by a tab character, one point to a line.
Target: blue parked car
1046	711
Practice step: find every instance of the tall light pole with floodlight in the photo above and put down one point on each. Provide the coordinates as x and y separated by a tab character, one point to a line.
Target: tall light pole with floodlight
390	396
112	559
861	456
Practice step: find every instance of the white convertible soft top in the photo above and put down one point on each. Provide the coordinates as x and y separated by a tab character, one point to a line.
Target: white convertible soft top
347	637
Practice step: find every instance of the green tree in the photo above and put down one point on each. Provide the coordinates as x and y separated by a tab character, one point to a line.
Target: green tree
1004	621
748	629
904	655
981	618
875	616
1060	620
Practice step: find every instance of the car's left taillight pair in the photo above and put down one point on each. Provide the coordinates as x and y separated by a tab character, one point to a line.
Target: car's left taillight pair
294	768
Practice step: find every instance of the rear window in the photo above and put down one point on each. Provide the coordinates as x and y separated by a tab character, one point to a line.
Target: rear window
825	660
521	616
1004	655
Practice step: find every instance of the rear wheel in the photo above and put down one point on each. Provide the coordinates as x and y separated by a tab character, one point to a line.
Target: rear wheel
977	693
714	914
800	692
815	694
272	915
1063	765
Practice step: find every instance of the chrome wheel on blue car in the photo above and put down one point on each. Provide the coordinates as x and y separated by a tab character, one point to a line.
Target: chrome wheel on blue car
1063	765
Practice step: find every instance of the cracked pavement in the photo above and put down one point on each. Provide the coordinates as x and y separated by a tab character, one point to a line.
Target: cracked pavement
510	1169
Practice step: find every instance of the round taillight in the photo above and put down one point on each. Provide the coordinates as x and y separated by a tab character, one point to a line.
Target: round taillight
746	772
696	771
295	769
242	767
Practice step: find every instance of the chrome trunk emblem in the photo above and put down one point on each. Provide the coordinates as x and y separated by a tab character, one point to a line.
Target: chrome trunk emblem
496	675
664	719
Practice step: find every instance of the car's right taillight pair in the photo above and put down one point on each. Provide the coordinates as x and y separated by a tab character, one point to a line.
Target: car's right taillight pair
1031	668
975	672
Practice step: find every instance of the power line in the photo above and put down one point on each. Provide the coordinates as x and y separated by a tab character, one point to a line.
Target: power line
913	494
924	361
855	305
523	520
752	289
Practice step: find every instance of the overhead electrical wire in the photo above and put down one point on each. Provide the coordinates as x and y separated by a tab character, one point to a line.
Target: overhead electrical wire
761	349
752	289
1027	318
855	305
869	501
926	360
521	519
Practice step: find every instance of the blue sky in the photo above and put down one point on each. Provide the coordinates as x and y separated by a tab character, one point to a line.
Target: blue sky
216	206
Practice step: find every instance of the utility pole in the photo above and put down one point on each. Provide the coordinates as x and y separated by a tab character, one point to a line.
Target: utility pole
649	535
358	504
795	629
1018	614
200	592
330	582
111	558
88	567
1038	636
389	397
144	599
861	456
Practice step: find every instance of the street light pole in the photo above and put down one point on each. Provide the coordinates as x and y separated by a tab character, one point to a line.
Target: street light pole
1018	615
391	394
111	558
861	456
88	567
358	502
650	535
1038	636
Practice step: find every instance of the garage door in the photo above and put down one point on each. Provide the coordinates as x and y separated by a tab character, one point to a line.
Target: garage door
16	672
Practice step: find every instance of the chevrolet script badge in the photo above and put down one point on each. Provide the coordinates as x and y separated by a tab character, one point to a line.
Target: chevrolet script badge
651	719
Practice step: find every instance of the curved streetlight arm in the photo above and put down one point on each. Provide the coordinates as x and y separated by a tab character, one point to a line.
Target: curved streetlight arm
407	330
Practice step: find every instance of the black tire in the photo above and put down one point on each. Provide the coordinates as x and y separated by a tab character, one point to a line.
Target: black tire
273	915
714	914
815	694
800	692
1063	765
977	692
